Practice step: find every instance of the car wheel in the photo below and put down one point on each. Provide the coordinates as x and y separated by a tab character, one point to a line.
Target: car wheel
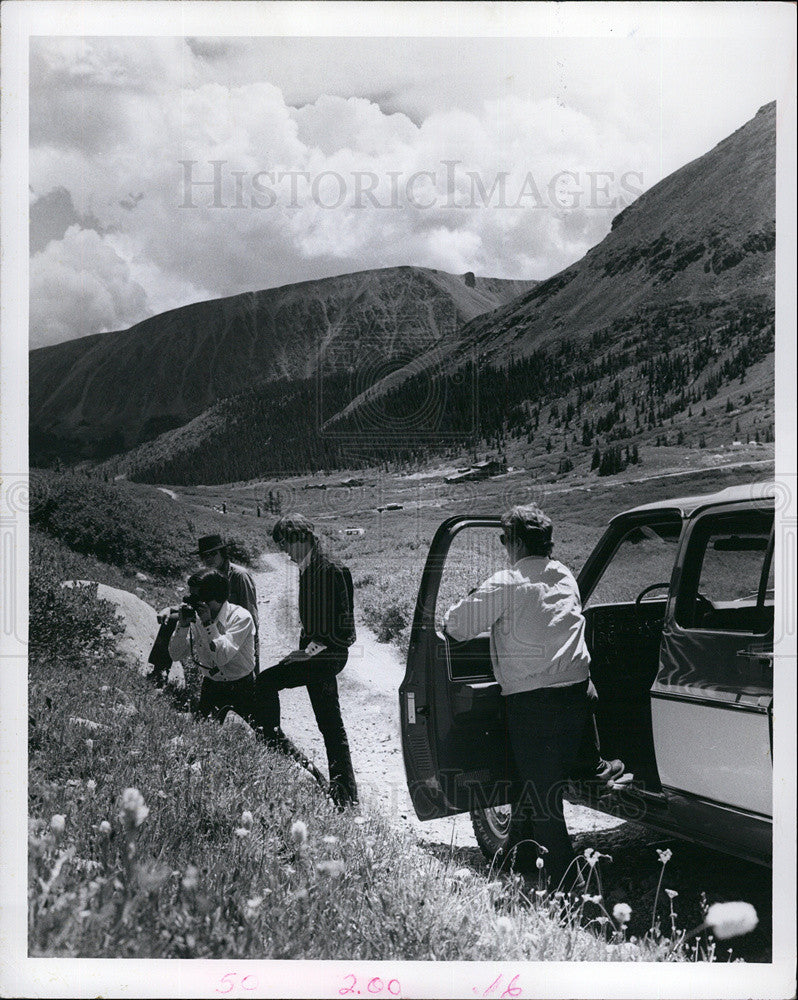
498	831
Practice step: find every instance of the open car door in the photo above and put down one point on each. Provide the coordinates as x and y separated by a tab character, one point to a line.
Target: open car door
452	714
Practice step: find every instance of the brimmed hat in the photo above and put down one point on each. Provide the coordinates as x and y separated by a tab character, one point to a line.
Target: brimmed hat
210	543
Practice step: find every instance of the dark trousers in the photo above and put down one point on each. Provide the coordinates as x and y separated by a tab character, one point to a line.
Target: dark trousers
217	698
545	729
319	676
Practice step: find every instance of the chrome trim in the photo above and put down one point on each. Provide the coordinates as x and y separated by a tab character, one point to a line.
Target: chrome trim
733	706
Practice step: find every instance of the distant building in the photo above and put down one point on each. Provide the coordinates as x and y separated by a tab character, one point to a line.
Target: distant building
481	470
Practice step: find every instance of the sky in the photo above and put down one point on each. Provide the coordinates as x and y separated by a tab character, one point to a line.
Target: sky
167	170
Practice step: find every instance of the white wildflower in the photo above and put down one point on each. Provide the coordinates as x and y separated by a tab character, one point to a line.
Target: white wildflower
359	820
247	819
330	840
105	828
665	856
672	893
463	873
333	869
134	810
299	833
241	832
57	824
539	863
91	786
89	745
731	919
504	926
622	913
591	856
190	878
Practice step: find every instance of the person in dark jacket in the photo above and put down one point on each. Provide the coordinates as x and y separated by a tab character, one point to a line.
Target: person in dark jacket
215	554
328	630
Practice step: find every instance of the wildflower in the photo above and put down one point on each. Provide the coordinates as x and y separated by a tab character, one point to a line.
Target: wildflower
57	824
330	840
105	828
91	786
252	906
622	913
241	832
504	926
731	919
196	767
359	820
299	833
331	868
190	878
134	811
591	856
665	856
591	899
672	893
539	863
89	745
463	873
247	819
161	794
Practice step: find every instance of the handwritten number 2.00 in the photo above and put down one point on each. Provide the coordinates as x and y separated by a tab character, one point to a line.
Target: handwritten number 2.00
373	987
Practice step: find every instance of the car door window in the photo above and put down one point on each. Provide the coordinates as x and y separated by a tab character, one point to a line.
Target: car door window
643	557
474	554
726	575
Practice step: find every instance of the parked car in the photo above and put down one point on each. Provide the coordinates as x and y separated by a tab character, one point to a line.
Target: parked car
679	602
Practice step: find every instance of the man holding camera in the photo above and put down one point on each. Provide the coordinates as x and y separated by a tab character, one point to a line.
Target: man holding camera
219	637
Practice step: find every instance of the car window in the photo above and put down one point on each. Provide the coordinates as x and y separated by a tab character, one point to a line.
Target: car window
724	566
643	557
474	555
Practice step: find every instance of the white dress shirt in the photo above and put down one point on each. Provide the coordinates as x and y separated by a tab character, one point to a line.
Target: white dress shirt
224	650
537	631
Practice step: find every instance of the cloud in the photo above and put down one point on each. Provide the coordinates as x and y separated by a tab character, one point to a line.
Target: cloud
114	121
80	285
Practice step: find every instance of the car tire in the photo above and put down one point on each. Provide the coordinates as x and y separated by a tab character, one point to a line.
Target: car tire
503	836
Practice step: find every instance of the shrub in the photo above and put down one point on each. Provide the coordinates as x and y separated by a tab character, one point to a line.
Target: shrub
65	624
111	522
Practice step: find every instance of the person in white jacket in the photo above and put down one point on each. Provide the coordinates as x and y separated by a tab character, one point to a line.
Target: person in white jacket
219	637
541	661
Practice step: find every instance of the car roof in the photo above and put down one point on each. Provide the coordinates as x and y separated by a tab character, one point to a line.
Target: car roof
762	493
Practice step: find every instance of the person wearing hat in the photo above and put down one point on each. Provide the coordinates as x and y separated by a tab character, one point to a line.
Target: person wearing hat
541	661
214	554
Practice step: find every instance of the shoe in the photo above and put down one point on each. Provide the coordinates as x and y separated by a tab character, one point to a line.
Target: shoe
609	770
